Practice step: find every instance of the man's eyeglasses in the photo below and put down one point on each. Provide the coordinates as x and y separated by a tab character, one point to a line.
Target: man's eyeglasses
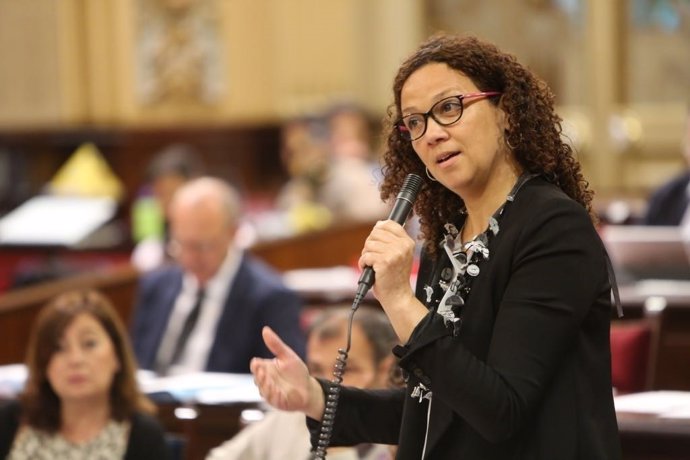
445	112
175	248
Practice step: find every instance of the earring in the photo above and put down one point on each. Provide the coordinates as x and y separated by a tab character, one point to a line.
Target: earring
505	138
428	174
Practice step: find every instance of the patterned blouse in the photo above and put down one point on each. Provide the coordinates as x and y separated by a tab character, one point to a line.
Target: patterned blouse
466	261
110	444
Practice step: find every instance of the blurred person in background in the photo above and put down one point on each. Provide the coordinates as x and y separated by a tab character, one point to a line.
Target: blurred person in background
168	170
206	311
333	170
284	435
304	154
81	399
351	186
669	203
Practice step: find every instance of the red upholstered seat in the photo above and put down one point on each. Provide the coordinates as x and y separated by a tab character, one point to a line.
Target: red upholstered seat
631	345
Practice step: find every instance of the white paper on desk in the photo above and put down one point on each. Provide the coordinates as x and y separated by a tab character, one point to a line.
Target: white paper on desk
242	393
335	282
665	288
680	413
55	220
204	387
339	277
340	280
12	379
653	402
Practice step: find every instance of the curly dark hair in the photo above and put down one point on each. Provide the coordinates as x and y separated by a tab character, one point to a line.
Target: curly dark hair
40	404
534	131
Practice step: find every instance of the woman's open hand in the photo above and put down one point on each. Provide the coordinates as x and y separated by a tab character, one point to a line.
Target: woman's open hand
284	381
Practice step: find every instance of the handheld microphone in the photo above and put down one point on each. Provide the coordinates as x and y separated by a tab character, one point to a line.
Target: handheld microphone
400	212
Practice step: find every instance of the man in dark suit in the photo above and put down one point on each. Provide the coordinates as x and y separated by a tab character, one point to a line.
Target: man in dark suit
668	204
206	312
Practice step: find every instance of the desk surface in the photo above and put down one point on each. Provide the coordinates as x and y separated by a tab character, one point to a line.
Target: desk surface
205	426
654	425
675	293
643	436
202	426
646	437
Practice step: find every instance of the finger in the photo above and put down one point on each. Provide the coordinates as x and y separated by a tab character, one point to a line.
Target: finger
258	366
255	366
276	345
267	388
363	261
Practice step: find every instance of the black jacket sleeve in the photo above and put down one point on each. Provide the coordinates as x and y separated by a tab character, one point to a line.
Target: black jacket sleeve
147	440
9	422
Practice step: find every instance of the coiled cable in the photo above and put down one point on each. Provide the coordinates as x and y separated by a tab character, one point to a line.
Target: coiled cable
334	386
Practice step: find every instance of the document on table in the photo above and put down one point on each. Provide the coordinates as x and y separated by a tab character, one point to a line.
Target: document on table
55	220
663	404
202	387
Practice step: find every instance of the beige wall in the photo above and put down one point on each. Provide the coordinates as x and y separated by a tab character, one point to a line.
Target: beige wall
85	62
80	61
41	79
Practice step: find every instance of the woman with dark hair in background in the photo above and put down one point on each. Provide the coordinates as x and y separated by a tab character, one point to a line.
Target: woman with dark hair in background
81	399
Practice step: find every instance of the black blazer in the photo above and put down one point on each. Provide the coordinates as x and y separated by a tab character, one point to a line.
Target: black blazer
146	436
528	376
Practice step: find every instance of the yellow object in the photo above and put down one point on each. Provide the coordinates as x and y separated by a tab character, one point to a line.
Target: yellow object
306	217
86	173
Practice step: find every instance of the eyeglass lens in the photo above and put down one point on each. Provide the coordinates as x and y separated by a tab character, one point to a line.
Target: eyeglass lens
445	112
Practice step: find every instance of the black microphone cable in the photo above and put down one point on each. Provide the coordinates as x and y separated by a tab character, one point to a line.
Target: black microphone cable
333	392
400	212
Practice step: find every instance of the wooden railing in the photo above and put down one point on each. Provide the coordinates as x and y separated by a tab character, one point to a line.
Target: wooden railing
336	245
19	307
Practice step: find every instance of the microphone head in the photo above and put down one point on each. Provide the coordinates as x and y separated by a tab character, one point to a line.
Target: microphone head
410	188
400	212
